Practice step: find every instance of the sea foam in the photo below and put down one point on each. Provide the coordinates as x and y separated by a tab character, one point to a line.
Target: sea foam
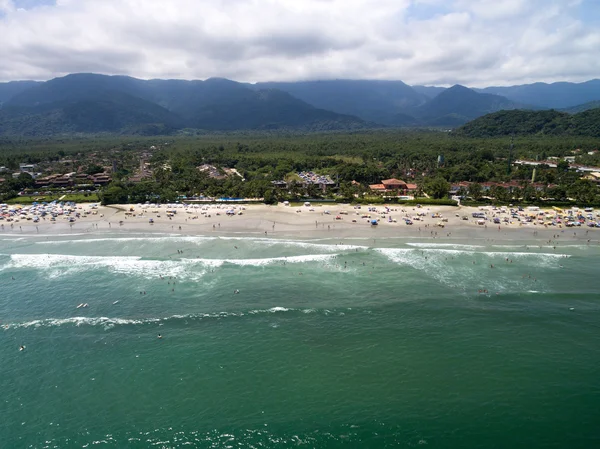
111	322
56	265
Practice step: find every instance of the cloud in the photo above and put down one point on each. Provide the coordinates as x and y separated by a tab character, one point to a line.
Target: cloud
473	42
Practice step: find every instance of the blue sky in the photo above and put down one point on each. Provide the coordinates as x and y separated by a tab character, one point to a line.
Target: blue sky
589	12
434	42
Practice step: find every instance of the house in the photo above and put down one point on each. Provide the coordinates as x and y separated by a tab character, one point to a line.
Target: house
377	187
101	178
279	184
26	167
211	171
394	184
594	176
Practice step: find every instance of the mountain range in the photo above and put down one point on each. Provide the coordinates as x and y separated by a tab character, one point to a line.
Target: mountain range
92	103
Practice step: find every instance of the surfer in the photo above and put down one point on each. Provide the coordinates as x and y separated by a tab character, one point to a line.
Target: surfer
22	348
159	336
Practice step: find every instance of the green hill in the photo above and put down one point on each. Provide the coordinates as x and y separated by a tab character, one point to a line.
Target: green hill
519	122
90	103
582	107
14	88
459	104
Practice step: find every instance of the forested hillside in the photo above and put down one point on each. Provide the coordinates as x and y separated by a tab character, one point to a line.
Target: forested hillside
523	123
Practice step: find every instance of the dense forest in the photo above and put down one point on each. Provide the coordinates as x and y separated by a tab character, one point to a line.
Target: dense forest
352	160
527	123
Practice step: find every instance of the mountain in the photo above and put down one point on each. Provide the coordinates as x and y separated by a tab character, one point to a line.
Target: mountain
91	103
104	111
371	100
394	103
556	95
458	105
505	123
118	104
10	89
582	107
429	91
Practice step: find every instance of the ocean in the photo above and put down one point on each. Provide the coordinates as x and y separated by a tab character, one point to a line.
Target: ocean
284	343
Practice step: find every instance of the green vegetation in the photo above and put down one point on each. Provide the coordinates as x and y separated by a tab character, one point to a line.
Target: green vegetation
527	123
364	157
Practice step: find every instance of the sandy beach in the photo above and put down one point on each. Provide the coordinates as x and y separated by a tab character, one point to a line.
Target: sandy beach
314	221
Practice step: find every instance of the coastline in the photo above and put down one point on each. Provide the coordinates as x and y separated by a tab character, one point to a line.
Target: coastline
335	221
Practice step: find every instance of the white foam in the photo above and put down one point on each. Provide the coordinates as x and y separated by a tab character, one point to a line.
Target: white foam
297	243
444	245
109	323
58	265
436	264
280	260
174	239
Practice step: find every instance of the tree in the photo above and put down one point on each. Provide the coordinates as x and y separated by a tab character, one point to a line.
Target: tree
114	194
583	191
25	180
476	191
562	166
437	187
93	169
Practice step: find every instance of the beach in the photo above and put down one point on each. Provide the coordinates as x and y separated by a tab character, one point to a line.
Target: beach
310	221
286	326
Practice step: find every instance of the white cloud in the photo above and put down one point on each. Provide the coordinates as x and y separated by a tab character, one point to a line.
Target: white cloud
474	42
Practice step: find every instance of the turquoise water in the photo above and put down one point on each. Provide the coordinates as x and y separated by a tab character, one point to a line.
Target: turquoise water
359	343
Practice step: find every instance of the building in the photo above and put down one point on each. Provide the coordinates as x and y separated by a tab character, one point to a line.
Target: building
101	178
394	184
212	171
594	177
377	188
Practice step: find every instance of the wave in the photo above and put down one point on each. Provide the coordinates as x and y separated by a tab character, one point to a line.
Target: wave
443	251
467	275
109	323
444	245
203	239
192	269
340	435
297	243
174	239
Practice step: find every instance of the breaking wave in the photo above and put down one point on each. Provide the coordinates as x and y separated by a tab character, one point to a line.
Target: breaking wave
109	323
60	264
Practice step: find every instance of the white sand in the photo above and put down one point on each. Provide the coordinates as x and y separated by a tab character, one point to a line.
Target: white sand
342	221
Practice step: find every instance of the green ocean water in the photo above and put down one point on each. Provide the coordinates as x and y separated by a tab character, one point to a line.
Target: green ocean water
356	343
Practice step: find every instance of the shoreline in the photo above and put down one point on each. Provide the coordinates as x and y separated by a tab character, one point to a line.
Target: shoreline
336	221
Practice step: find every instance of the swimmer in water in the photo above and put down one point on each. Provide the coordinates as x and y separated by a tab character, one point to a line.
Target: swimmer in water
159	336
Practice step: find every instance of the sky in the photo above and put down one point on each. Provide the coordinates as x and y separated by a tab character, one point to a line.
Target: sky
476	43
